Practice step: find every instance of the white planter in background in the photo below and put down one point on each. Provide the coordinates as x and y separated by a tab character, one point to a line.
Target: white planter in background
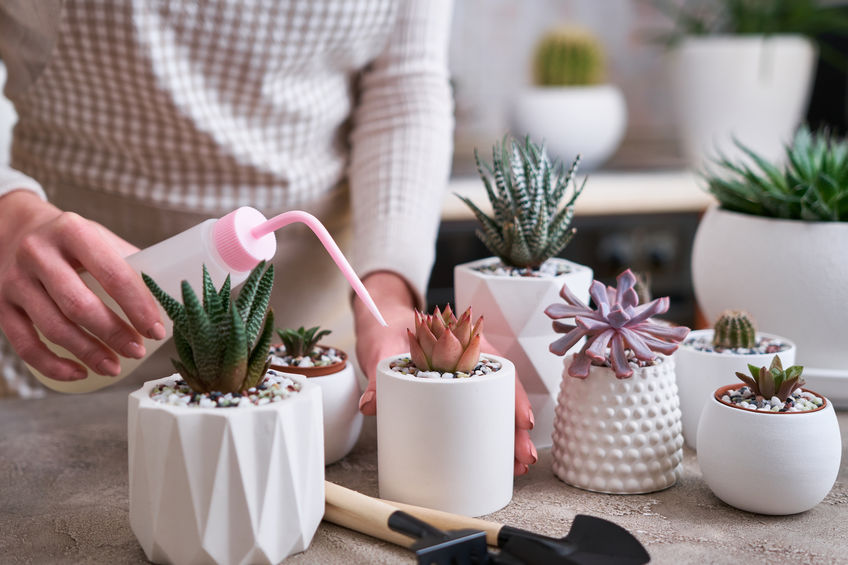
589	120
225	485
447	444
342	418
515	323
700	373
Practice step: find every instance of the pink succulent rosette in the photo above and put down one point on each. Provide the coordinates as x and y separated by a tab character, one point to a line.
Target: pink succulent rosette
442	342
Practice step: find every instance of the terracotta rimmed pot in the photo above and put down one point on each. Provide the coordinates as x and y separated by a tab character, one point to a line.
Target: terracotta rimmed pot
446	444
340	398
225	485
768	462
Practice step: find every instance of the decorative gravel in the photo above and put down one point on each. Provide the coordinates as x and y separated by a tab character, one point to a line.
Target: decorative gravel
764	345
633	361
274	388
405	366
798	401
320	357
548	269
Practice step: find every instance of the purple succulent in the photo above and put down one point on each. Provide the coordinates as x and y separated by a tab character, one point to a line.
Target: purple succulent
618	324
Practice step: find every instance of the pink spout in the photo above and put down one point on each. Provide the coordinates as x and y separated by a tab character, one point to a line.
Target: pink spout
326	240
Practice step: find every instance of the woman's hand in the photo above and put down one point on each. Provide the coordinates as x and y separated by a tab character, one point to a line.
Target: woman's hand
42	249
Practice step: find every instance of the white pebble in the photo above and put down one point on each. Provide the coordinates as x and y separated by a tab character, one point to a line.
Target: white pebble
447	375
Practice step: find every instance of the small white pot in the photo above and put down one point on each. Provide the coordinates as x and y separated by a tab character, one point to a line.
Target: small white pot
515	323
446	444
769	463
225	485
700	373
589	120
619	436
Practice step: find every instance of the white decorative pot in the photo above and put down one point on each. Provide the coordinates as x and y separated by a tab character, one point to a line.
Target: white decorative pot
516	324
700	373
755	88
447	444
589	120
619	436
765	462
789	274
225	485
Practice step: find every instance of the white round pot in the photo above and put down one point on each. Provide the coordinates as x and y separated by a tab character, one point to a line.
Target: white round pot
700	373
516	324
789	274
769	463
447	444
619	436
755	88
225	485
589	120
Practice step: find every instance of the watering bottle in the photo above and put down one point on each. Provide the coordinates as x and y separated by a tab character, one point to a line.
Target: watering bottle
232	245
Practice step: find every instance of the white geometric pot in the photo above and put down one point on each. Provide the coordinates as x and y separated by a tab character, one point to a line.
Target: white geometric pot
700	373
446	444
225	485
619	436
744	460
516	324
589	120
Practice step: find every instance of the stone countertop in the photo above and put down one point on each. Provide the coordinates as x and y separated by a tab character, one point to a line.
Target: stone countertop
64	499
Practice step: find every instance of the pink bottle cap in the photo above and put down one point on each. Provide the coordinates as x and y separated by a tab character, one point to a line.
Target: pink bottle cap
238	247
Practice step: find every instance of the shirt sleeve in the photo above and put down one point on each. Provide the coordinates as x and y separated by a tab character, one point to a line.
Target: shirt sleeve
10	180
402	142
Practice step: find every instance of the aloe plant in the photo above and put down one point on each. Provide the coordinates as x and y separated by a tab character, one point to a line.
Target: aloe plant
443	343
222	343
774	380
301	342
569	57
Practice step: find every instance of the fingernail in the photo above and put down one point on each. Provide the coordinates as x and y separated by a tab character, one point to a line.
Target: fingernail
108	367
134	349
534	453
366	398
531	418
157	331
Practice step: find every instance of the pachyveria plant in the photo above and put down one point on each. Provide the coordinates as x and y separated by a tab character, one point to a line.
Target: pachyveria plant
530	222
569	56
619	323
301	342
443	343
222	343
734	329
812	185
773	381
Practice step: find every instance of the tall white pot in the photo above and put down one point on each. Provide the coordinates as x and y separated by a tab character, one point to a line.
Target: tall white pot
225	485
342	418
620	436
516	324
755	88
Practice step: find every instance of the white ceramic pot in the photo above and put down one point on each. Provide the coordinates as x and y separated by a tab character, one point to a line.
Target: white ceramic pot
589	120
769	463
789	274
515	323
752	87
446	444
619	436
700	373
225	485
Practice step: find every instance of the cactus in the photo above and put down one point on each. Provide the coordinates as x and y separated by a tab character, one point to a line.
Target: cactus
301	342
443	343
773	381
734	329
569	57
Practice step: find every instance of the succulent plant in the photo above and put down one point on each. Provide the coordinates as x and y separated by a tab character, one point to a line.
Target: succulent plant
812	185
301	342
619	323
530	223
443	343
774	380
569	56
734	329
222	343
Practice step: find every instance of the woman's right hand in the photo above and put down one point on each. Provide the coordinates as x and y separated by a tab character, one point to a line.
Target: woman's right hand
42	251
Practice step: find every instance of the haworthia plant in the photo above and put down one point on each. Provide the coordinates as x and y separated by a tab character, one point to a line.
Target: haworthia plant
774	380
301	342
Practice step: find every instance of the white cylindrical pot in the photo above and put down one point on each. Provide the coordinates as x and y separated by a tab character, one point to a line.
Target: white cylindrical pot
515	323
342	418
225	485
769	463
700	373
789	274
754	88
589	120
620	436
446	444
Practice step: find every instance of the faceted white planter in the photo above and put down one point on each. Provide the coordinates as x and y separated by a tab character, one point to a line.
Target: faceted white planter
516	324
700	373
225	485
447	444
620	436
785	463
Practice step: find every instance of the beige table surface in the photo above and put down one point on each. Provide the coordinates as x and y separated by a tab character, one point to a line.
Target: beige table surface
64	499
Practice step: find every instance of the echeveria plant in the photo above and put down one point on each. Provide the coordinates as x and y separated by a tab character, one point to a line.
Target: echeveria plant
774	380
443	343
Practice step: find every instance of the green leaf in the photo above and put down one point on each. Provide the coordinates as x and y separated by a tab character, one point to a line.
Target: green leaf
258	361
260	304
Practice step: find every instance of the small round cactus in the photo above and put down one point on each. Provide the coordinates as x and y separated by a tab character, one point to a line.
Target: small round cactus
569	56
734	329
